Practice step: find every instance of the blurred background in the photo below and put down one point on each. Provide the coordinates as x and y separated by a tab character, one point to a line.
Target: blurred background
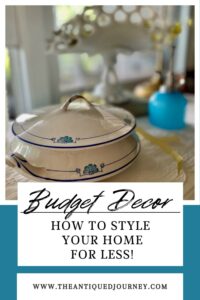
35	78
140	58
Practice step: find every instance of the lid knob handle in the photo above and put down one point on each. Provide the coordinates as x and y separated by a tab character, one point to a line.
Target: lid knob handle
74	98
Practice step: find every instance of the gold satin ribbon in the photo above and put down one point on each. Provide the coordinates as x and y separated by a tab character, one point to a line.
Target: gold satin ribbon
163	143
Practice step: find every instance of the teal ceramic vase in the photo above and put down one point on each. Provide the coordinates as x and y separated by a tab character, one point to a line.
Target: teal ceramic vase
167	110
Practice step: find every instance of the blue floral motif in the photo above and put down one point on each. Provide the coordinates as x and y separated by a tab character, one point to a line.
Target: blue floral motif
90	169
65	139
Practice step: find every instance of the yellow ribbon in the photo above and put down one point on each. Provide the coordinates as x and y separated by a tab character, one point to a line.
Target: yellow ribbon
163	143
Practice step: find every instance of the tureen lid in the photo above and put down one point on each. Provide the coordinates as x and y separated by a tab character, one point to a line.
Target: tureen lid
75	126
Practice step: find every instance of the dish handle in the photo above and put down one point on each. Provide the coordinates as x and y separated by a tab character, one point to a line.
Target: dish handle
74	98
10	161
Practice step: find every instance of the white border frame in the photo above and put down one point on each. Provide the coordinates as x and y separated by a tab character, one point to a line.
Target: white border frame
92	2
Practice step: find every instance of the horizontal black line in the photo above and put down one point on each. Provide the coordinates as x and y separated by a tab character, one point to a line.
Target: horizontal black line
106	212
83	179
71	147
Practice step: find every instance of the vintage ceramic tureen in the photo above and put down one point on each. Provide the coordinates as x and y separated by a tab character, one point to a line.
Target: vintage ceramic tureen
76	142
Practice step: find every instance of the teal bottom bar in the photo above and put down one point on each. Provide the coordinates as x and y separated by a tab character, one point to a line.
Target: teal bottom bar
9	269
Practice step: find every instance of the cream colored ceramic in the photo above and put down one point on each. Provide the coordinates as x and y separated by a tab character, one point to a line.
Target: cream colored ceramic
76	165
75	126
74	143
